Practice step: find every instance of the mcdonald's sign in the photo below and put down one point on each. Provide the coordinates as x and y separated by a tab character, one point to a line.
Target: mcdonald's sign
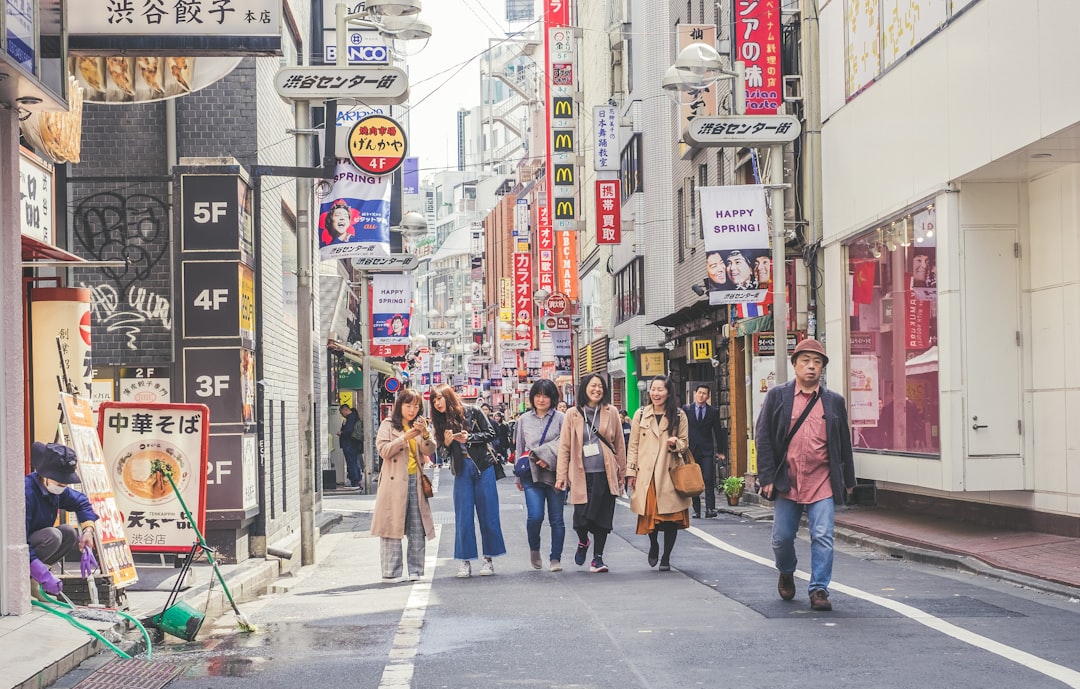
564	209
562	141
564	174
562	107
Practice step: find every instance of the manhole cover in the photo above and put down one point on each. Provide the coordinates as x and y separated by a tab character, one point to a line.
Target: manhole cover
131	673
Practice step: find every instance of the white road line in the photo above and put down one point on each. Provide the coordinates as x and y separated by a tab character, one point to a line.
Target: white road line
398	673
1061	673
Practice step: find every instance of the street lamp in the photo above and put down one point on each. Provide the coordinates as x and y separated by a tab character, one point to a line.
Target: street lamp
698	66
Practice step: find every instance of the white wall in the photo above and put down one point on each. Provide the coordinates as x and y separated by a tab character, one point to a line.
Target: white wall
997	78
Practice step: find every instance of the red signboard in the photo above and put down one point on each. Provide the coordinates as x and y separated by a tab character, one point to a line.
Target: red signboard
556	304
568	264
757	36
608	212
523	293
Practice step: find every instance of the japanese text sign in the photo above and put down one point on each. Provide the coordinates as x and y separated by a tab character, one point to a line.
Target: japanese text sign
608	212
140	443
698	101
606	143
757	40
522	271
114	555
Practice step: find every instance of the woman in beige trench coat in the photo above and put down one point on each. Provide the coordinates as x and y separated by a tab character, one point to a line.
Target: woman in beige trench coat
592	463
401	509
657	433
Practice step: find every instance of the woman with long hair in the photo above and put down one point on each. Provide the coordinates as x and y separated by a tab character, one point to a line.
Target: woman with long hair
537	438
401	508
657	433
592	463
465	433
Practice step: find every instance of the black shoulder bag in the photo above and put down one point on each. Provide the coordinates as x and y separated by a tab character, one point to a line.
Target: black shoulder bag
781	462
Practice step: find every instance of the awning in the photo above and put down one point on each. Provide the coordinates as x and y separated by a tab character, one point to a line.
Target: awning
39	254
377	364
758	324
927	362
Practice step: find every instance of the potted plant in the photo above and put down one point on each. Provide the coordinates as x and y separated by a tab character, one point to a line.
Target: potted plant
733	489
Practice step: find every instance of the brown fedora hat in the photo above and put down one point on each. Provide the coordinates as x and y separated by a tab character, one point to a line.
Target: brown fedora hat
809	345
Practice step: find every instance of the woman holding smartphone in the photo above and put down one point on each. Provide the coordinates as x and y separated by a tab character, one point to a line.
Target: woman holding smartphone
465	433
401	508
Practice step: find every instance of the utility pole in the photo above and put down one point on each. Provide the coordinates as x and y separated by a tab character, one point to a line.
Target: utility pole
305	336
776	202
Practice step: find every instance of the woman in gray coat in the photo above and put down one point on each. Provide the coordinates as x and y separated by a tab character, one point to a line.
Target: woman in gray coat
537	434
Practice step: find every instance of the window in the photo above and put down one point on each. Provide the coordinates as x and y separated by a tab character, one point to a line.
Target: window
690	232
893	386
703	181
630	168
630	291
680	220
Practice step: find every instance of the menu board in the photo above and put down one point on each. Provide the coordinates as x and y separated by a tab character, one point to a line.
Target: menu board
114	555
141	442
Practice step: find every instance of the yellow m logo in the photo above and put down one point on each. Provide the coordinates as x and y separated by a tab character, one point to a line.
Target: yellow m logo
564	209
564	174
563	141
563	107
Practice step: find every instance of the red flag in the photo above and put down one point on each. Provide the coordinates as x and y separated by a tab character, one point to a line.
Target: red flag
862	286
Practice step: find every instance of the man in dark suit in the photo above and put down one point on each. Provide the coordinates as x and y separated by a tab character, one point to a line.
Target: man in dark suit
809	470
708	442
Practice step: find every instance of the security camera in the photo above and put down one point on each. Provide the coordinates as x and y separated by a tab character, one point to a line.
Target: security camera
715	362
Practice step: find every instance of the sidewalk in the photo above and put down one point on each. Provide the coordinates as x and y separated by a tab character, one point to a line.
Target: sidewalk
38	648
1037	560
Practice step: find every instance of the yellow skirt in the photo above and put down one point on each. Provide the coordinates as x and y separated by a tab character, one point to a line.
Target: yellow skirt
647	523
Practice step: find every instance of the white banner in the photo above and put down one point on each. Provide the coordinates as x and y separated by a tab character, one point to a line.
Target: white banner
391	306
735	224
354	218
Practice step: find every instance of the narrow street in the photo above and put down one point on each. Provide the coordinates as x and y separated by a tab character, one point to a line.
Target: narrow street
714	620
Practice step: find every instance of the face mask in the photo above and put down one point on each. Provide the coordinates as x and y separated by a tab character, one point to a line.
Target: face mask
55	488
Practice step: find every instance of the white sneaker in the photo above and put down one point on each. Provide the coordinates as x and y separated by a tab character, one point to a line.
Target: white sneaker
465	571
414	577
487	569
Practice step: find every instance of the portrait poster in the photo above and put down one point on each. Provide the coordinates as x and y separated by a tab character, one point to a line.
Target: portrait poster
391	303
114	555
354	217
735	225
863	390
139	442
562	347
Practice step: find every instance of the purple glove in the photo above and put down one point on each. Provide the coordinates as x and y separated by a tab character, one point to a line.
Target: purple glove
41	574
89	563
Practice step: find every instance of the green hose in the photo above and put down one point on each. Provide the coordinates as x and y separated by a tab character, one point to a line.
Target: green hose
82	626
120	613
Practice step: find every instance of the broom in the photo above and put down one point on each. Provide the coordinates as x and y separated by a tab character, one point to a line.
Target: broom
165	470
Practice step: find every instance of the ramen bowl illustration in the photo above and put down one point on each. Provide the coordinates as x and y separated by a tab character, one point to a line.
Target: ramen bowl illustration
141	468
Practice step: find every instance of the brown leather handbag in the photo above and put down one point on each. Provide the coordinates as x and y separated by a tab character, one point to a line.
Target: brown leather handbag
425	485
686	476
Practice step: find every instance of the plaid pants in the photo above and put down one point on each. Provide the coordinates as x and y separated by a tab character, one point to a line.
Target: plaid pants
390	548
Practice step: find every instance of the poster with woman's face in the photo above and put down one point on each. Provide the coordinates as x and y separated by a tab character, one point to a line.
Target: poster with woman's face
391	306
354	217
736	230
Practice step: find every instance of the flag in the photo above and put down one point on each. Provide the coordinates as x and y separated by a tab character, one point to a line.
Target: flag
751	310
862	284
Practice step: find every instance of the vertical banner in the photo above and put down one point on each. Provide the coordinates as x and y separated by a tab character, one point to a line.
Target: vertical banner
140	442
391	302
757	44
696	102
736	230
522	294
608	212
606	141
114	555
57	313
354	218
563	350
567	281
545	250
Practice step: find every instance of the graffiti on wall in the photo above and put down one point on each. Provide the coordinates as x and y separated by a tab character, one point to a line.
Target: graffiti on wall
133	228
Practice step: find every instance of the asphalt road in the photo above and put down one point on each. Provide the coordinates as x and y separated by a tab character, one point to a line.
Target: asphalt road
715	620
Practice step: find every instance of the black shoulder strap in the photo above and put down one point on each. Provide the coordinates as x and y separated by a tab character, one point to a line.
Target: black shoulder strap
782	456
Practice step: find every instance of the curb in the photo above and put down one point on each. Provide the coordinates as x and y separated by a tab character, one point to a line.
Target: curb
961	563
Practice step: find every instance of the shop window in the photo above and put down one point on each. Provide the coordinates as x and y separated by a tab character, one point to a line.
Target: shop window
892	309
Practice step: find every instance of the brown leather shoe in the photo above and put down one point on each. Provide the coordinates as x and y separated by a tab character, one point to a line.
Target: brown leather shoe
819	600
786	586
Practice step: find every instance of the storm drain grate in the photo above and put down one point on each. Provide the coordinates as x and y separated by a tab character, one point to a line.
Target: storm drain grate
131	673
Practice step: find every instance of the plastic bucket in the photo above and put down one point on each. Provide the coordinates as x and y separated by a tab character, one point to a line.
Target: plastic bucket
181	620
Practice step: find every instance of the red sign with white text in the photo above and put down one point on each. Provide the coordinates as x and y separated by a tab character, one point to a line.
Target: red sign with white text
523	294
545	243
608	212
567	279
757	36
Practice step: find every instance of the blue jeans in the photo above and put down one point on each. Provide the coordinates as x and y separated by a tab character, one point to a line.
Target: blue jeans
352	462
536	496
474	491
786	516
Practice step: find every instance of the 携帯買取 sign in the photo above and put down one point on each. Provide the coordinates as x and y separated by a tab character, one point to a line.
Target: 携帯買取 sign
373	85
157	27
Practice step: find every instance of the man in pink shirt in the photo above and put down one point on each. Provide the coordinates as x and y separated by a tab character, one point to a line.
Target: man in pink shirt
804	464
